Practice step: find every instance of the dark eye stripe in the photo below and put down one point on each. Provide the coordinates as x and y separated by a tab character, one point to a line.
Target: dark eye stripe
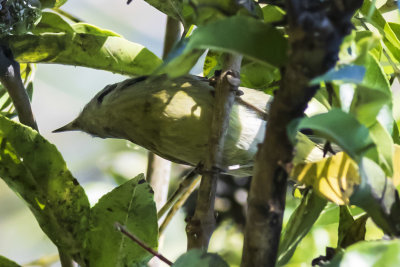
106	91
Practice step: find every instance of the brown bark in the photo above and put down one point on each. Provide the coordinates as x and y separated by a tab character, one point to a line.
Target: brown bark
201	226
316	30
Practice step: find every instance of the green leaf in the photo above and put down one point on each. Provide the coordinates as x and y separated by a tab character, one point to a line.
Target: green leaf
338	127
33	168
52	3
378	197
4	262
52	22
383	154
272	13
84	45
172	8
100	52
369	254
379	22
262	44
180	60
198	258
300	223
132	205
344	74
350	231
91	29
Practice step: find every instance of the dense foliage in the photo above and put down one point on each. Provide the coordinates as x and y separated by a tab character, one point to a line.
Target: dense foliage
353	111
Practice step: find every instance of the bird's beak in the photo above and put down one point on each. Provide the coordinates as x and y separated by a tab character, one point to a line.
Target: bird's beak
72	126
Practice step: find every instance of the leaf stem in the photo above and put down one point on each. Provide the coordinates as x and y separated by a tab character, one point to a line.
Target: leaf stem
123	230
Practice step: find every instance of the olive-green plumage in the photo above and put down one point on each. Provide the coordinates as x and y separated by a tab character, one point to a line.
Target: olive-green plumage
172	118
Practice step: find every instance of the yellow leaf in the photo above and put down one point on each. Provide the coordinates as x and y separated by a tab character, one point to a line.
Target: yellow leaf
333	178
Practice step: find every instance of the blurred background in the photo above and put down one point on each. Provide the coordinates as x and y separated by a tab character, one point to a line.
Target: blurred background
60	92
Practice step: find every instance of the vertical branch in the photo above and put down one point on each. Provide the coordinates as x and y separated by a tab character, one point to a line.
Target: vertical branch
10	77
316	30
158	169
201	226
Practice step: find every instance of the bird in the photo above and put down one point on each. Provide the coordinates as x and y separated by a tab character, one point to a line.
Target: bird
172	116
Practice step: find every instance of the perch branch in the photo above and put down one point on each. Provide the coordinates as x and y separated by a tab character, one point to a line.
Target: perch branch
201	226
10	77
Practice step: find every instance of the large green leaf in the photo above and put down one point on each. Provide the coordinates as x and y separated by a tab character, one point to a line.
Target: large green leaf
33	168
263	44
198	258
344	74
378	197
4	262
300	223
82	45
252	38
132	205
369	254
338	127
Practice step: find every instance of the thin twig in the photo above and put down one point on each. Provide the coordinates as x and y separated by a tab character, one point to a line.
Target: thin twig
122	229
179	203
10	77
201	226
182	188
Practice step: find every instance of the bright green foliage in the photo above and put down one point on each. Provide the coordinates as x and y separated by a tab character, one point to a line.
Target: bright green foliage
351	136
263	44
198	258
300	223
82	45
34	168
369	254
7	263
131	204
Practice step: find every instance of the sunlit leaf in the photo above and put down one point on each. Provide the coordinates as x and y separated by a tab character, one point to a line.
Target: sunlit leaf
132	205
86	46
34	168
334	177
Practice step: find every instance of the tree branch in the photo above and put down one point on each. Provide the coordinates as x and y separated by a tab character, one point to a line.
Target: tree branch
10	77
201	226
316	30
